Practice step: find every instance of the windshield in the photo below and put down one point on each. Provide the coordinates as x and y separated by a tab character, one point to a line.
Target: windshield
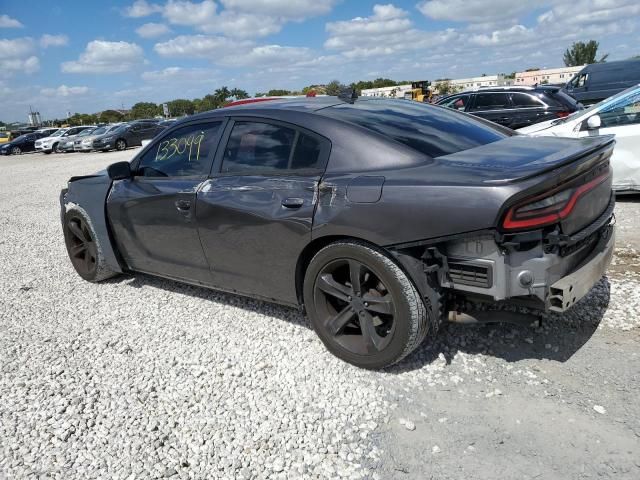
100	131
4	135
119	128
86	132
598	106
58	133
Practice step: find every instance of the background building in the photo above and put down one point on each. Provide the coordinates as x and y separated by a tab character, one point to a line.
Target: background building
461	84
392	92
551	76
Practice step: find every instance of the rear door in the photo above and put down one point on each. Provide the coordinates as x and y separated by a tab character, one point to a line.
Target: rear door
528	109
493	106
255	215
153	214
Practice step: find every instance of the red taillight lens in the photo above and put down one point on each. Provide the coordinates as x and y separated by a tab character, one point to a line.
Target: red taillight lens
545	210
563	114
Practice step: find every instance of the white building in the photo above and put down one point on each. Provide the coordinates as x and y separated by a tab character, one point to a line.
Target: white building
546	76
474	83
391	92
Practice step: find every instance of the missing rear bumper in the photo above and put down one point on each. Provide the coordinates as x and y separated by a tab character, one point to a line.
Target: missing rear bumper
564	293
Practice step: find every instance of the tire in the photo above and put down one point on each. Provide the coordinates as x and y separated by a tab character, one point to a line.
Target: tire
83	246
55	149
373	326
46	152
16	151
121	144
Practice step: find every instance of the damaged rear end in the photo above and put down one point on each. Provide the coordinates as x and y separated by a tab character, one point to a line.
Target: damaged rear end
552	242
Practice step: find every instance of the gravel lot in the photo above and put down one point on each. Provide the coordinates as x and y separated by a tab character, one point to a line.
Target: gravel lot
139	377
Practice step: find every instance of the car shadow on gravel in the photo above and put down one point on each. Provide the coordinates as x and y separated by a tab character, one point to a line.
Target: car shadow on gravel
557	338
282	312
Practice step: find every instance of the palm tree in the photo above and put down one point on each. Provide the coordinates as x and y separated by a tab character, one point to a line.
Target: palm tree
239	94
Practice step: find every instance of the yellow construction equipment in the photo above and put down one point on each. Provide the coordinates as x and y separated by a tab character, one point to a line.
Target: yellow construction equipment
420	91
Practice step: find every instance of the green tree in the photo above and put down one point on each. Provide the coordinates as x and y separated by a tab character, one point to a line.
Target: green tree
334	87
110	116
582	53
145	110
239	94
180	107
278	92
444	87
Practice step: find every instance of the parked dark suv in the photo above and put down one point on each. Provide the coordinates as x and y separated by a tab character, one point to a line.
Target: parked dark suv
127	135
514	107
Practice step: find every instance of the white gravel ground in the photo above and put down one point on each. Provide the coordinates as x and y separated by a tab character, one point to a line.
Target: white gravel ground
139	377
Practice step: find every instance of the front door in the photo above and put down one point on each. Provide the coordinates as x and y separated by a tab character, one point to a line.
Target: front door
153	214
255	215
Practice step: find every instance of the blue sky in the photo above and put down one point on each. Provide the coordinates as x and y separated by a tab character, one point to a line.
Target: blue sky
86	56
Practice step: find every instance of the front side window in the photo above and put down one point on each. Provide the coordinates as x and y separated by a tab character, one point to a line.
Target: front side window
183	152
264	148
491	101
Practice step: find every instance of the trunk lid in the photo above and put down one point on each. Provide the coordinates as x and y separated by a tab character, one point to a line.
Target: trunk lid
519	158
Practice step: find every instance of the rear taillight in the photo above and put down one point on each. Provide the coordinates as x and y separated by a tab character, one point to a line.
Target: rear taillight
549	208
562	114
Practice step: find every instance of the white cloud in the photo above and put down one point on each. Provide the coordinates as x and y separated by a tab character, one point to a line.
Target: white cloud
7	22
16	48
515	34
27	65
203	46
16	56
106	57
179	74
473	11
182	12
288	9
53	40
271	55
141	8
64	91
243	25
152	30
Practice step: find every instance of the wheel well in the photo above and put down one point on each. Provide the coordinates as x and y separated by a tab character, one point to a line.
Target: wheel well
307	254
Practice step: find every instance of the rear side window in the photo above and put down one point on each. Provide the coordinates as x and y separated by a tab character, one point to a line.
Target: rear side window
263	148
491	101
525	100
183	152
429	129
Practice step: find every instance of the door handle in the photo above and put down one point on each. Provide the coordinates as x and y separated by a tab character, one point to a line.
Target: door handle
292	202
183	205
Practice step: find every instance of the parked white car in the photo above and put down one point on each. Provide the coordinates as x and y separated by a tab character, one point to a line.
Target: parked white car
50	144
618	115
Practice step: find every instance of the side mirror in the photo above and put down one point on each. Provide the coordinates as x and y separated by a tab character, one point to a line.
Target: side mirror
119	171
594	122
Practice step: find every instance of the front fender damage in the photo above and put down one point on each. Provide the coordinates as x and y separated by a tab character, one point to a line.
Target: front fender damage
91	194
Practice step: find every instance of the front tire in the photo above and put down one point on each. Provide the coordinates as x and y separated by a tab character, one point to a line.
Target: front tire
83	246
55	148
16	151
362	305
121	144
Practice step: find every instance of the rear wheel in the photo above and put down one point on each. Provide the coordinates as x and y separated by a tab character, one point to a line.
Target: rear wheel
83	246
16	150
121	144
362	305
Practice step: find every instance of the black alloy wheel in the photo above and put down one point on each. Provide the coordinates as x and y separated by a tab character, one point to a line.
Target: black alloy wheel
355	307
362	305
81	246
16	150
121	144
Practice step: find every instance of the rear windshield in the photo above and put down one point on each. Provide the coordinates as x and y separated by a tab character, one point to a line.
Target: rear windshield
431	130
